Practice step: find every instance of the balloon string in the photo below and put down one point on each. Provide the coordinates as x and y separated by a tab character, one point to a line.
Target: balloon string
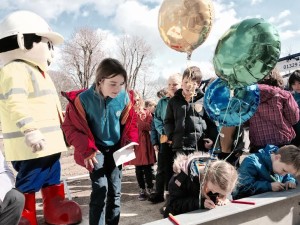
193	94
188	62
189	55
217	139
218	136
239	126
195	131
239	129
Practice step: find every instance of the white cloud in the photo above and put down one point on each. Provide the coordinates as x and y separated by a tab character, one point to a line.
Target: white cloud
287	34
151	1
105	7
272	19
143	22
281	18
284	14
85	13
110	43
284	24
140	17
289	42
57	7
254	2
52	9
225	17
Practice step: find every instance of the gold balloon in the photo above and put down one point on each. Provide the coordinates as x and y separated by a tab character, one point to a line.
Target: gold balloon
185	24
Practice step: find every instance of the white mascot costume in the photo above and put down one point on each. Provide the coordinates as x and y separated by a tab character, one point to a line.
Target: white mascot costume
31	116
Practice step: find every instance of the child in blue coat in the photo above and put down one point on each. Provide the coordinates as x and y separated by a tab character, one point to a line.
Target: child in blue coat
269	169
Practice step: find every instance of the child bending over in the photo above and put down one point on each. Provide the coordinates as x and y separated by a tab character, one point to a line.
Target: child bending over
197	184
269	169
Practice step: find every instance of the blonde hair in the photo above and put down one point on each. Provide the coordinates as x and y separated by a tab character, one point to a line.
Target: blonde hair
222	174
273	79
141	100
175	77
219	172
150	103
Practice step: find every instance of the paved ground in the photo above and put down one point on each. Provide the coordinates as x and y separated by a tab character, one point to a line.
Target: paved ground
134	212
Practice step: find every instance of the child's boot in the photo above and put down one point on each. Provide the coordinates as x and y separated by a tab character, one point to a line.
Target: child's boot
142	195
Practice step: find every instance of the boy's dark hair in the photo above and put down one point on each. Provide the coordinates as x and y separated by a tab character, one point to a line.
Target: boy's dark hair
273	79
109	68
290	154
295	76
193	73
11	43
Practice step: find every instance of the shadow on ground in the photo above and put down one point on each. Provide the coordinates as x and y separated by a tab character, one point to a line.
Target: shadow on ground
133	211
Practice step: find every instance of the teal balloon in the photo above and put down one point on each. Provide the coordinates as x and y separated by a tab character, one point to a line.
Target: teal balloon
230	107
247	52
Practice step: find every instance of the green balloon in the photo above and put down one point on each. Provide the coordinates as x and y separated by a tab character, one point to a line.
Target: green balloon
247	52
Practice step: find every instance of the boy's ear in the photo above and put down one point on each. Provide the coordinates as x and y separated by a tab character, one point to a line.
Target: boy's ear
278	157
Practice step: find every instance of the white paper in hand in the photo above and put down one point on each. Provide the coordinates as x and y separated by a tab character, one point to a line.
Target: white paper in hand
125	154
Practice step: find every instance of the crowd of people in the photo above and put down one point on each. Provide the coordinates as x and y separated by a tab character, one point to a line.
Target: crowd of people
273	163
174	133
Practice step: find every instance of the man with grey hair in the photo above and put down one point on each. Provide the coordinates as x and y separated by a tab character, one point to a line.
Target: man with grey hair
11	200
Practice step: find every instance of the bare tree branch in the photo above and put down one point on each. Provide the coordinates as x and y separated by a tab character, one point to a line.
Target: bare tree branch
62	82
136	56
81	55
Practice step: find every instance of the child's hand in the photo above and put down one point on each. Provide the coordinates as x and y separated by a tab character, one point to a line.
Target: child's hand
163	138
222	201
209	204
290	185
277	186
91	160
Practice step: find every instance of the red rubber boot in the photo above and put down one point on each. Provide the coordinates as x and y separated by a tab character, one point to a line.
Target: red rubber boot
57	210
29	212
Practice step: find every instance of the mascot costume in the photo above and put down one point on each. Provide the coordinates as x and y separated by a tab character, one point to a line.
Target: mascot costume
31	116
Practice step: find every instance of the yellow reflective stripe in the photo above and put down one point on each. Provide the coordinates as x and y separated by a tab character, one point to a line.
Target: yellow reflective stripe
41	93
18	134
12	91
33	80
25	121
37	92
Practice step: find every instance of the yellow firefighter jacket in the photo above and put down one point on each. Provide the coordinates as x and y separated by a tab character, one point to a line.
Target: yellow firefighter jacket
28	101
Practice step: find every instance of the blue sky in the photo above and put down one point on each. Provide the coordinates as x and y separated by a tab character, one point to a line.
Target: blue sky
139	17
